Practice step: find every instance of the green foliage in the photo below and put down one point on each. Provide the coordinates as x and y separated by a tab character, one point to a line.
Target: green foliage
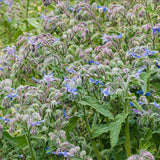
115	128
102	109
99	130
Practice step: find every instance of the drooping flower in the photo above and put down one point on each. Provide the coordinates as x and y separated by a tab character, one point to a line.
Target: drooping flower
10	50
141	92
39	45
48	78
64	112
70	8
135	110
138	73
148	94
11	96
96	82
70	70
92	62
35	80
103	7
156	29
106	38
134	55
71	90
155	104
65	154
106	92
4	119
119	36
9	19
37	123
131	104
157	63
8	3
149	53
20	156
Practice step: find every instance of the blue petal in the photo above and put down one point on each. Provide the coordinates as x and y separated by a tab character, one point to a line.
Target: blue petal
140	92
148	94
131	104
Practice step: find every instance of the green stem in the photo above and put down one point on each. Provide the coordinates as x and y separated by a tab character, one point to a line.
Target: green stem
128	146
30	145
89	133
44	150
153	41
158	152
148	84
94	121
27	14
148	14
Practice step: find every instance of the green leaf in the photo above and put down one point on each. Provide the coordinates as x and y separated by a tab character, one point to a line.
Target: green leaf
1	108
34	23
20	141
150	10
144	77
144	144
17	34
115	128
8	137
100	130
88	101
148	133
72	122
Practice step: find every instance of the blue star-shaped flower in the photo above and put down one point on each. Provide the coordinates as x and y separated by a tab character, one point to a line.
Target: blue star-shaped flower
158	64
11	96
106	92
155	104
141	92
149	53
92	62
131	104
35	80
119	36
96	82
103	7
48	78
134	55
71	90
63	153
156	29
4	119
37	123
70	70
106	38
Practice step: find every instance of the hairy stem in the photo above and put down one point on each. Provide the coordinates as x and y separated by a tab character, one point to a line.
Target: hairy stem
30	145
89	133
128	146
27	14
148	84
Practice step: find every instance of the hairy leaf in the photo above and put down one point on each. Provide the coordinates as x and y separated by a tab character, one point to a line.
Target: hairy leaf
88	101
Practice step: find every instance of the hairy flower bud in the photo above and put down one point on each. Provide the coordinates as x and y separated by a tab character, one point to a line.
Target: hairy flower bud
94	5
82	154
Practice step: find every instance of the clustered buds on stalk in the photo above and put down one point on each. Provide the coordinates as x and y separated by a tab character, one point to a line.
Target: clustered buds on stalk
46	2
144	155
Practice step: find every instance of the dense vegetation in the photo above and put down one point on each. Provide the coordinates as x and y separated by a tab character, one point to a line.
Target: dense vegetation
79	80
